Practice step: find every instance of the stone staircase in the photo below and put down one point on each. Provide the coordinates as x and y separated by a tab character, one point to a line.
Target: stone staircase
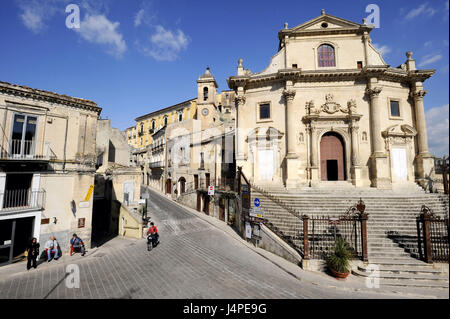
391	228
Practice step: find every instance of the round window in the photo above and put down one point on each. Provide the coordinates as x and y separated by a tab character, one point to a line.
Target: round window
324	25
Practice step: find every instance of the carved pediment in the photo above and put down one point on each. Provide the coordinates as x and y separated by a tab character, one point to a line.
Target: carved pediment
267	133
331	21
398	130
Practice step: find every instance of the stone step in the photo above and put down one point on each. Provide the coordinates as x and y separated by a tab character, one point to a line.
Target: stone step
405	269
410	280
402	261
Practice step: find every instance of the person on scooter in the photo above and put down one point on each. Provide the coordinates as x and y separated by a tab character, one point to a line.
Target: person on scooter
153	232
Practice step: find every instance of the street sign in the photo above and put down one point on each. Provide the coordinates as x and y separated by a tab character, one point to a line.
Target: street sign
256	212
257	202
89	193
211	190
84	204
142	201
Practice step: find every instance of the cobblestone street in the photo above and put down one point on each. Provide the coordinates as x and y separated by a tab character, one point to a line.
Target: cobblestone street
194	260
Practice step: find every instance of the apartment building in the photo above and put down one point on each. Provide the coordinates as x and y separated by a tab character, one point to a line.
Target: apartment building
47	166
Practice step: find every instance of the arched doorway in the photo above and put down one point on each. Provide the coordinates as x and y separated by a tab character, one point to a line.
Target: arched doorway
332	157
182	185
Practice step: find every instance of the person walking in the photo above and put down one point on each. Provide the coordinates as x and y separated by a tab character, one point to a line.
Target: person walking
32	253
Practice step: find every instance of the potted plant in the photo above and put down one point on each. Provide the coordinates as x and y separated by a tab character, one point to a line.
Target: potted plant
338	261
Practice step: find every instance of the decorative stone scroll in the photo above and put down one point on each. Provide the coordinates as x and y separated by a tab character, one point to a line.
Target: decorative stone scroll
331	107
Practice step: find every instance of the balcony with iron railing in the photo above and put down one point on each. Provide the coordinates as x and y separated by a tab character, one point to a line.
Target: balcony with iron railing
25	150
157	164
17	200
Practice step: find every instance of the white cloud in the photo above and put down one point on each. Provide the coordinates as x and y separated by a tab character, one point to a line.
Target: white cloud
430	59
165	45
98	29
424	9
32	20
138	18
384	49
35	14
438	130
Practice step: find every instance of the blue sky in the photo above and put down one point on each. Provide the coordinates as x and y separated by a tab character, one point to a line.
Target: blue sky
133	56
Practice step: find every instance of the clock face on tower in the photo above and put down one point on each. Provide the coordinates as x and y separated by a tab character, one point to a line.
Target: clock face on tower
205	112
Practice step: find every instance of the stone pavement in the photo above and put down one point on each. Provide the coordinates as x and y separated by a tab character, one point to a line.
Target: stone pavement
199	258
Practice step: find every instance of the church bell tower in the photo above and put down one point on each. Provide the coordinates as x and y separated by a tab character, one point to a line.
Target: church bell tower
207	99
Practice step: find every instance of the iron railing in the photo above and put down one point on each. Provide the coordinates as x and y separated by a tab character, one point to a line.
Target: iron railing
21	199
156	164
318	236
432	234
24	150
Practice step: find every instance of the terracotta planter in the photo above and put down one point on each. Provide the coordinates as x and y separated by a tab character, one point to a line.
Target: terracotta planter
339	275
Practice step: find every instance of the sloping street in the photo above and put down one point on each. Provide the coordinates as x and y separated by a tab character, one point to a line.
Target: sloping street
194	260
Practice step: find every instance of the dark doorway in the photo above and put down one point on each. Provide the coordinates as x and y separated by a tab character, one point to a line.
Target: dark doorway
182	181
222	209
169	186
206	204
332	170
199	202
14	237
332	157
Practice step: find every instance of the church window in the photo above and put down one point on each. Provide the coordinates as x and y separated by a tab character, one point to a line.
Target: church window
180	117
326	56
166	119
264	111
205	94
395	108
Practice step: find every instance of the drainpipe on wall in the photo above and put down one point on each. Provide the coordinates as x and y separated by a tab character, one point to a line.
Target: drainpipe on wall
65	144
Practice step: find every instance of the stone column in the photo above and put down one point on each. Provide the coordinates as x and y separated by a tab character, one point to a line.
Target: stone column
290	134
375	117
379	168
424	160
357	170
240	140
366	39
289	95
314	151
421	124
354	135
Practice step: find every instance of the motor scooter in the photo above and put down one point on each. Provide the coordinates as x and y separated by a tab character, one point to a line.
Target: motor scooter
152	242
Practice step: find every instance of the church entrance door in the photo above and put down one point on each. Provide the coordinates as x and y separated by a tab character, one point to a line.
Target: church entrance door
332	157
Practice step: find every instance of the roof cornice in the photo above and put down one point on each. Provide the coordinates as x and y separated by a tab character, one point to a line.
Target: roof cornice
297	75
47	96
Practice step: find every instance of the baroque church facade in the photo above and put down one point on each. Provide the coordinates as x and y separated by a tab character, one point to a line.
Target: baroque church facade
329	108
